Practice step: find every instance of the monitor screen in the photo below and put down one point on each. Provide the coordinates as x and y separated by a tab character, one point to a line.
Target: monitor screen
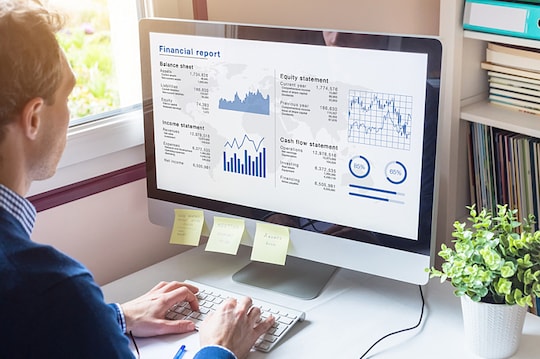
332	134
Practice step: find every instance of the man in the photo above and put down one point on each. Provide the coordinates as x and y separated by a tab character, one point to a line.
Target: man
50	307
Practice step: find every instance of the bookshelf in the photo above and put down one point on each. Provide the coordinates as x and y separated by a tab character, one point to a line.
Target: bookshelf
485	113
464	100
477	109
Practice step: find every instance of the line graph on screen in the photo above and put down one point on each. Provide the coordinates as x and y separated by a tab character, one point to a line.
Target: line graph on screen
380	119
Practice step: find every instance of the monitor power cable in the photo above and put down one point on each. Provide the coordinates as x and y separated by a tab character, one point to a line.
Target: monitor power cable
401	330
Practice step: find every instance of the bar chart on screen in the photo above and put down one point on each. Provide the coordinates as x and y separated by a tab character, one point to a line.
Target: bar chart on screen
246	157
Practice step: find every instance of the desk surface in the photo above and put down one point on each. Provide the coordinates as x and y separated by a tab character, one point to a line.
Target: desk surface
352	312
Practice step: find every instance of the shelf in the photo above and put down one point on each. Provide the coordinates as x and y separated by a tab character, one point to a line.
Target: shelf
499	117
501	39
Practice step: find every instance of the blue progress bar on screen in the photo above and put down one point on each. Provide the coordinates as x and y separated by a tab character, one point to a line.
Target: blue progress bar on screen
385	199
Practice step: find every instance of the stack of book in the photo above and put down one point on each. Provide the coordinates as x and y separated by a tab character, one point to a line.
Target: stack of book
514	77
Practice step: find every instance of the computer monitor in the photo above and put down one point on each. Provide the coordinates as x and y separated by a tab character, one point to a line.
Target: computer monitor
330	133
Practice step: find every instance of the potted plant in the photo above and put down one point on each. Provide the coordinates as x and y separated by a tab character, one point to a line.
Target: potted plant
494	265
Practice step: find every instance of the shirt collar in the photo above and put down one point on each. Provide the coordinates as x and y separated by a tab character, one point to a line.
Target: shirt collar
19	207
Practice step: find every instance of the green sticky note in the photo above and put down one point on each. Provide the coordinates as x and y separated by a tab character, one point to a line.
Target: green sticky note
270	244
226	235
188	226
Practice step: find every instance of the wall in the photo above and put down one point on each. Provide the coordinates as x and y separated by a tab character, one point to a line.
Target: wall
390	16
108	232
167	8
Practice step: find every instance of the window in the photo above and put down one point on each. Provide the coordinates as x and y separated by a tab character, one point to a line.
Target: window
106	130
101	43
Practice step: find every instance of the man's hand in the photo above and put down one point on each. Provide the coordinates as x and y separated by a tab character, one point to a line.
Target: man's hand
145	315
235	325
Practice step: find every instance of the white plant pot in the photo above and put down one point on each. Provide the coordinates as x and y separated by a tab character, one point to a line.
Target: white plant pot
492	330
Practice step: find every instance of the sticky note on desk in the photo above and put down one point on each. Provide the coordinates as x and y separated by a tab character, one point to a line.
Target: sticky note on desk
226	235
188	226
270	244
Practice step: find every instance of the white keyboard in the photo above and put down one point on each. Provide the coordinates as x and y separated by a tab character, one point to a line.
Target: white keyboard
210	298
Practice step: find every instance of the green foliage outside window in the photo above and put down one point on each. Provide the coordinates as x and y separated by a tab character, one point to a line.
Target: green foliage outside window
90	57
87	43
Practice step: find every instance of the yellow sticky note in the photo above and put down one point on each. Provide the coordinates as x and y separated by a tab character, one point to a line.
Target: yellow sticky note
270	244
188	226
226	235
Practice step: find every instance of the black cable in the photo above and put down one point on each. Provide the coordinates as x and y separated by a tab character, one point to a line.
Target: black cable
401	330
134	344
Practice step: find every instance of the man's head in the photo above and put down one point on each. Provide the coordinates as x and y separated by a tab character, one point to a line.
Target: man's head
35	82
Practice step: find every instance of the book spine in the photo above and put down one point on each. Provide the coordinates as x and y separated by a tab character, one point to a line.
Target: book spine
505	168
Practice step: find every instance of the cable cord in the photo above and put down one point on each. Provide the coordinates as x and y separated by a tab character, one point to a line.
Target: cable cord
401	330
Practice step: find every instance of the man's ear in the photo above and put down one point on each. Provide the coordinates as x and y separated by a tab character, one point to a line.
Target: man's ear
31	117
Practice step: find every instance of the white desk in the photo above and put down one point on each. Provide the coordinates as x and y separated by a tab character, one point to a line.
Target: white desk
352	312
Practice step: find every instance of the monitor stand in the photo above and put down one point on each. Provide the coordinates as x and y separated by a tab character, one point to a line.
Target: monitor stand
299	277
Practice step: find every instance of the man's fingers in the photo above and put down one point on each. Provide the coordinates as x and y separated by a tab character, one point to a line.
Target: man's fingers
264	326
244	304
179	295
254	312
